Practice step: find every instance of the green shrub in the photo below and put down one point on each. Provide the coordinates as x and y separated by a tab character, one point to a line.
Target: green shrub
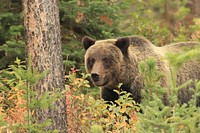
157	117
18	101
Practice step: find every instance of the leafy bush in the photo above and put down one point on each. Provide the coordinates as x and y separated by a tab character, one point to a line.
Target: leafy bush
18	101
86	114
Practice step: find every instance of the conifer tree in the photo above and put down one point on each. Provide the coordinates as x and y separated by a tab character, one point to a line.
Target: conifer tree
157	117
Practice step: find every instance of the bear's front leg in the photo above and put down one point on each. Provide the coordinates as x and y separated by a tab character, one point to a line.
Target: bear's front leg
108	94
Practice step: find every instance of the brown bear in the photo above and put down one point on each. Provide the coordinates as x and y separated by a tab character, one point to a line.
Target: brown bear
114	61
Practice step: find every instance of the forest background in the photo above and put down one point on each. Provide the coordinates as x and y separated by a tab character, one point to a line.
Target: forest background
161	21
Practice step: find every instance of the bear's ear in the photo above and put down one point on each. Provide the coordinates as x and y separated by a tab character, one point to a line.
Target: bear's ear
87	42
123	44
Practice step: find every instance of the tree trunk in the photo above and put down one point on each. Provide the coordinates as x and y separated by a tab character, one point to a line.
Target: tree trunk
43	44
194	6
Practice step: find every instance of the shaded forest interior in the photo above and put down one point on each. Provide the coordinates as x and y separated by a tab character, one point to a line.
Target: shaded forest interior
161	22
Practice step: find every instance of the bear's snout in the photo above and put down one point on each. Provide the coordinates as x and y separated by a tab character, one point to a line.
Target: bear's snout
95	77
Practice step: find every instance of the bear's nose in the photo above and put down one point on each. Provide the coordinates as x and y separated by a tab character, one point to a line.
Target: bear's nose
95	77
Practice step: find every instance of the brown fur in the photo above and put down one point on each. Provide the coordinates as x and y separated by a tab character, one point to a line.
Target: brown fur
115	61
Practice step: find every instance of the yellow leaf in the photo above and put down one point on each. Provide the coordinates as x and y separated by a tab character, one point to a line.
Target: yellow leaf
87	85
123	109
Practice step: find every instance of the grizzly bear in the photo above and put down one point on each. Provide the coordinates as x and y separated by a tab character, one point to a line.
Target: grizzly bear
114	61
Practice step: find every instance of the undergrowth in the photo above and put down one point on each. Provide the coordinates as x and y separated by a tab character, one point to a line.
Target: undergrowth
173	118
18	101
88	113
93	115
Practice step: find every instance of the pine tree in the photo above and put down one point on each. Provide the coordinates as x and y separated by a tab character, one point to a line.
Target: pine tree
157	117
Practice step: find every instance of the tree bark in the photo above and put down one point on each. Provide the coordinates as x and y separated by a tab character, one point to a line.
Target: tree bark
194	6
43	44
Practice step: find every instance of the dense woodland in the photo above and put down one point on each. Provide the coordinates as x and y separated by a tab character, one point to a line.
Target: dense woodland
161	21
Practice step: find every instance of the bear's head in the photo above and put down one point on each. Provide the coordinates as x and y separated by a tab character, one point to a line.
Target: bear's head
104	60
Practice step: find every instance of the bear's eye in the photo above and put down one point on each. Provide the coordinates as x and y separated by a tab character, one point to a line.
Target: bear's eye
91	62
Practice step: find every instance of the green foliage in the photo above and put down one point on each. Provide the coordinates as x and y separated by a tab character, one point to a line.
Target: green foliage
85	114
195	29
73	55
111	117
176	60
160	21
98	19
80	85
97	129
157	117
92	18
18	98
142	20
152	81
11	34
